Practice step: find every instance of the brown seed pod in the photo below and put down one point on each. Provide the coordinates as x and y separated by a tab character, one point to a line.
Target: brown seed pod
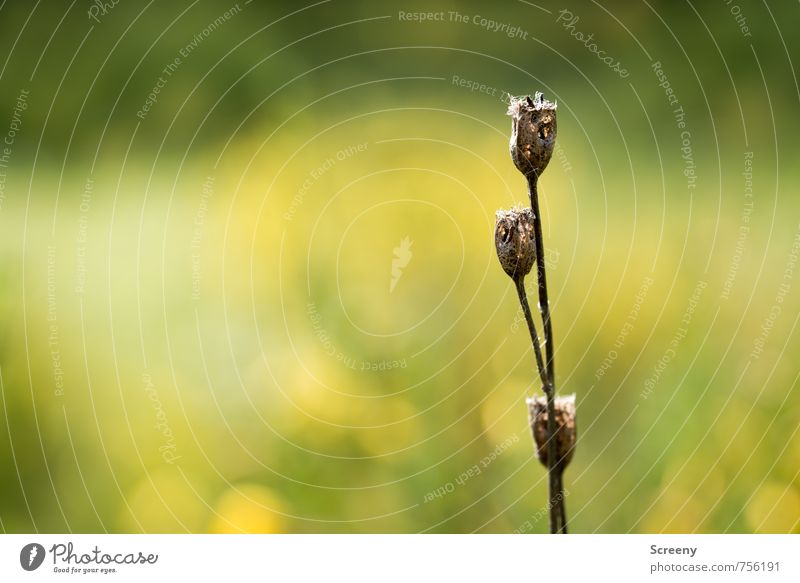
533	133
566	430
514	241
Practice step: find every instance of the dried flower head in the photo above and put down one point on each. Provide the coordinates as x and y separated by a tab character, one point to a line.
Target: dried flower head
566	431
514	241
533	133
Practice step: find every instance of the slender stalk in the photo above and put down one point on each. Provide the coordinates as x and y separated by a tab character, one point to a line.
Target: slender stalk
526	310
544	303
554	465
557	523
553	471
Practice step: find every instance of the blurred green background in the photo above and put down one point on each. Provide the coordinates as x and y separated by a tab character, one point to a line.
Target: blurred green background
210	322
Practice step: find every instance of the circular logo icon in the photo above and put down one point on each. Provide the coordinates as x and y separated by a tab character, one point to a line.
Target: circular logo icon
31	556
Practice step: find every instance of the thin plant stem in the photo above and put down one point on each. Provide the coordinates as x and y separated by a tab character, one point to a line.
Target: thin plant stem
553	465
544	303
556	510
526	310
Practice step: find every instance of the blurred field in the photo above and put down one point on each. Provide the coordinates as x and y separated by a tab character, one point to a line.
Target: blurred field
197	331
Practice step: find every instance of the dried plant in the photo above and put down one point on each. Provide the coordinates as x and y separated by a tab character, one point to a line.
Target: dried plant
519	244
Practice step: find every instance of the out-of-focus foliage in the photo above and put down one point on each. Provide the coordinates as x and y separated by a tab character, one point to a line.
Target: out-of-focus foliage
210	322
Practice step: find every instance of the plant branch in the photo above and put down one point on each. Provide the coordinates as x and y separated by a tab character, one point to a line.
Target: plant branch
556	510
554	464
544	303
526	310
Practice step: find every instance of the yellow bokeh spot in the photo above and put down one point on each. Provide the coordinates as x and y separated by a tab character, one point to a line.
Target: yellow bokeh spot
698	476
401	429
676	511
774	508
247	508
164	502
504	412
792	453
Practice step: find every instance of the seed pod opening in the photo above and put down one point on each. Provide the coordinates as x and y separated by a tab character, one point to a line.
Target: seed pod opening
514	241
566	429
533	133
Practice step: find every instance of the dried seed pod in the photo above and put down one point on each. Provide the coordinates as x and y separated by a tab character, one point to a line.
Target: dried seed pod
566	430
533	133
514	241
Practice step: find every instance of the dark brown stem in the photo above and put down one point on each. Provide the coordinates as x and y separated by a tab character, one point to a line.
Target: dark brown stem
544	303
554	472
526	310
554	469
